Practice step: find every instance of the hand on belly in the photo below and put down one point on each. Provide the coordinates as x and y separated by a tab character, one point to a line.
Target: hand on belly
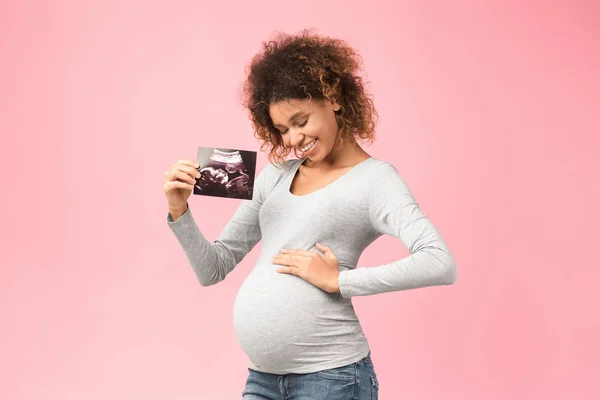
321	270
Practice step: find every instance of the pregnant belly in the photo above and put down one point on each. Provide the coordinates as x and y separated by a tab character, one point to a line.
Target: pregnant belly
283	320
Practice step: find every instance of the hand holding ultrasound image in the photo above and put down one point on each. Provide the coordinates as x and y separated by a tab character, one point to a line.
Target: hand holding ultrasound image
225	173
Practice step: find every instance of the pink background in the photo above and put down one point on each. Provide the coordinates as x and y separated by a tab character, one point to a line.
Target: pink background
489	110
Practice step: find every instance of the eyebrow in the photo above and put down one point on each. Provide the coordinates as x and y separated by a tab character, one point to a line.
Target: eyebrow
293	117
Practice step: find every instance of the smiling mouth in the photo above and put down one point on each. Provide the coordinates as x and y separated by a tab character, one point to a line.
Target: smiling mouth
309	146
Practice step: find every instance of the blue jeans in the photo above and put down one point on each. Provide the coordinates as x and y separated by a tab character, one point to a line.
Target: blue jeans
356	381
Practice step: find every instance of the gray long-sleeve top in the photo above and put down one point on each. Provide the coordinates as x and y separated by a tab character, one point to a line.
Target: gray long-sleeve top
285	324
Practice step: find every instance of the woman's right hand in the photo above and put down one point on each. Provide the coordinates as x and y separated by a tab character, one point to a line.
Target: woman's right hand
179	183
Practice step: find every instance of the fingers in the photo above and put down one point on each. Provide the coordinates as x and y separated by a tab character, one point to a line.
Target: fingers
184	177
294	259
322	248
188	162
326	250
183	170
169	186
191	171
289	270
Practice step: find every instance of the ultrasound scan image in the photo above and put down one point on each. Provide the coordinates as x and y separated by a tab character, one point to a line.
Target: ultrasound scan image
225	173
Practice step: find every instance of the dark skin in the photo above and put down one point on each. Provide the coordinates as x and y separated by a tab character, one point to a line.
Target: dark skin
300	122
320	270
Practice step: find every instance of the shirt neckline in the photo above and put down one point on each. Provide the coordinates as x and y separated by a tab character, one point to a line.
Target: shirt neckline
340	178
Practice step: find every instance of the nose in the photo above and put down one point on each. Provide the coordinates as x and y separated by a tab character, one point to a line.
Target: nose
296	138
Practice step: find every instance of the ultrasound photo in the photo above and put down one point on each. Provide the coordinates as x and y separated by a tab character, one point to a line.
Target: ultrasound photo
225	173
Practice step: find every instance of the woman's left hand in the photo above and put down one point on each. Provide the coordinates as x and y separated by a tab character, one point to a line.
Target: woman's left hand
319	270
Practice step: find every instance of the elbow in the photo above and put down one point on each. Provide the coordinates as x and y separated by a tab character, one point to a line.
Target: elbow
449	271
205	279
443	265
209	273
206	282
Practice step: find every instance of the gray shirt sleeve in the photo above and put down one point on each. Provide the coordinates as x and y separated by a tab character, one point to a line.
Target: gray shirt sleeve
394	211
213	261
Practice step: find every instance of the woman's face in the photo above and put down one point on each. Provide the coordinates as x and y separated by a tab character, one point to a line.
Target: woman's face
301	122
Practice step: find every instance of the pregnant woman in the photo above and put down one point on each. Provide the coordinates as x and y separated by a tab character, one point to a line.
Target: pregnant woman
315	214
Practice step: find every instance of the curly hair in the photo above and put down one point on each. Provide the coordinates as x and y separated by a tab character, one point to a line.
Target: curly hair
307	66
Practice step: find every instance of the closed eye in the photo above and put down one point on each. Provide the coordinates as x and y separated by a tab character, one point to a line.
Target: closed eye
301	124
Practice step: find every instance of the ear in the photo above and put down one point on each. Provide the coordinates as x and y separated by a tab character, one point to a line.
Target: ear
335	106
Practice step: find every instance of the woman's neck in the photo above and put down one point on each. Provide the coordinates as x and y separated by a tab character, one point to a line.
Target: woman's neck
345	156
